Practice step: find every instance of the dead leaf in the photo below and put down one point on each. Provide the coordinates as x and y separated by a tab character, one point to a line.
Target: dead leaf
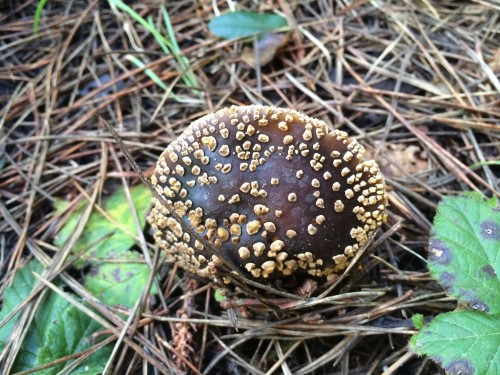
494	62
397	159
268	45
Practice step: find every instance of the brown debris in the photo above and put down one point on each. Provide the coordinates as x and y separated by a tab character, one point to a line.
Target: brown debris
389	73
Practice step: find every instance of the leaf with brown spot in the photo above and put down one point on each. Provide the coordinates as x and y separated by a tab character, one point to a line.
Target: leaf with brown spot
463	342
119	283
464	248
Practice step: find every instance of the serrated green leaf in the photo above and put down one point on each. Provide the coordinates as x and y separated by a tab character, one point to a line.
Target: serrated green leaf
62	330
13	296
463	342
72	333
106	239
58	329
242	24
464	250
65	330
119	283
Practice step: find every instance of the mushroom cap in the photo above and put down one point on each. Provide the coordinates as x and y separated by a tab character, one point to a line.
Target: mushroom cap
272	190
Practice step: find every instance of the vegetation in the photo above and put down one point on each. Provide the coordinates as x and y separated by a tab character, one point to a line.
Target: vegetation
63	323
464	260
83	288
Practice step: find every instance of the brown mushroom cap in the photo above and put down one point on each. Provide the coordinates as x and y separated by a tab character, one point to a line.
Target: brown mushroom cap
271	189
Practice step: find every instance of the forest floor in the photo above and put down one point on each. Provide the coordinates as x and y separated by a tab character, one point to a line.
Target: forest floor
416	82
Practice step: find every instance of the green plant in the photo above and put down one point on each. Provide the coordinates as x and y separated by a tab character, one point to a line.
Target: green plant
168	43
58	329
240	24
464	257
117	276
38	14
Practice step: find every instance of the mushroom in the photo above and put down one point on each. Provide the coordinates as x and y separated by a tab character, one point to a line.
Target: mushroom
271	190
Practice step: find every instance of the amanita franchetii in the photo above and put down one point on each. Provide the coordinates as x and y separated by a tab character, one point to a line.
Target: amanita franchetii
272	190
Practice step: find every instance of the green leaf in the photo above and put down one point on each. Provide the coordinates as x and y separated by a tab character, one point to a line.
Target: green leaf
118	275
58	329
242	24
119	283
464	250
463	342
103	238
219	297
13	296
63	330
418	320
67	330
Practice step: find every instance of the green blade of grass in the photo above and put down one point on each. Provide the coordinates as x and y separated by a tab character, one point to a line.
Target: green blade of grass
168	46
38	14
134	60
488	162
132	13
170	30
183	61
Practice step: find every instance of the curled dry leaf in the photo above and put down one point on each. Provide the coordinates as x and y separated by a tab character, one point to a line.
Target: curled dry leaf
494	62
268	45
401	157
